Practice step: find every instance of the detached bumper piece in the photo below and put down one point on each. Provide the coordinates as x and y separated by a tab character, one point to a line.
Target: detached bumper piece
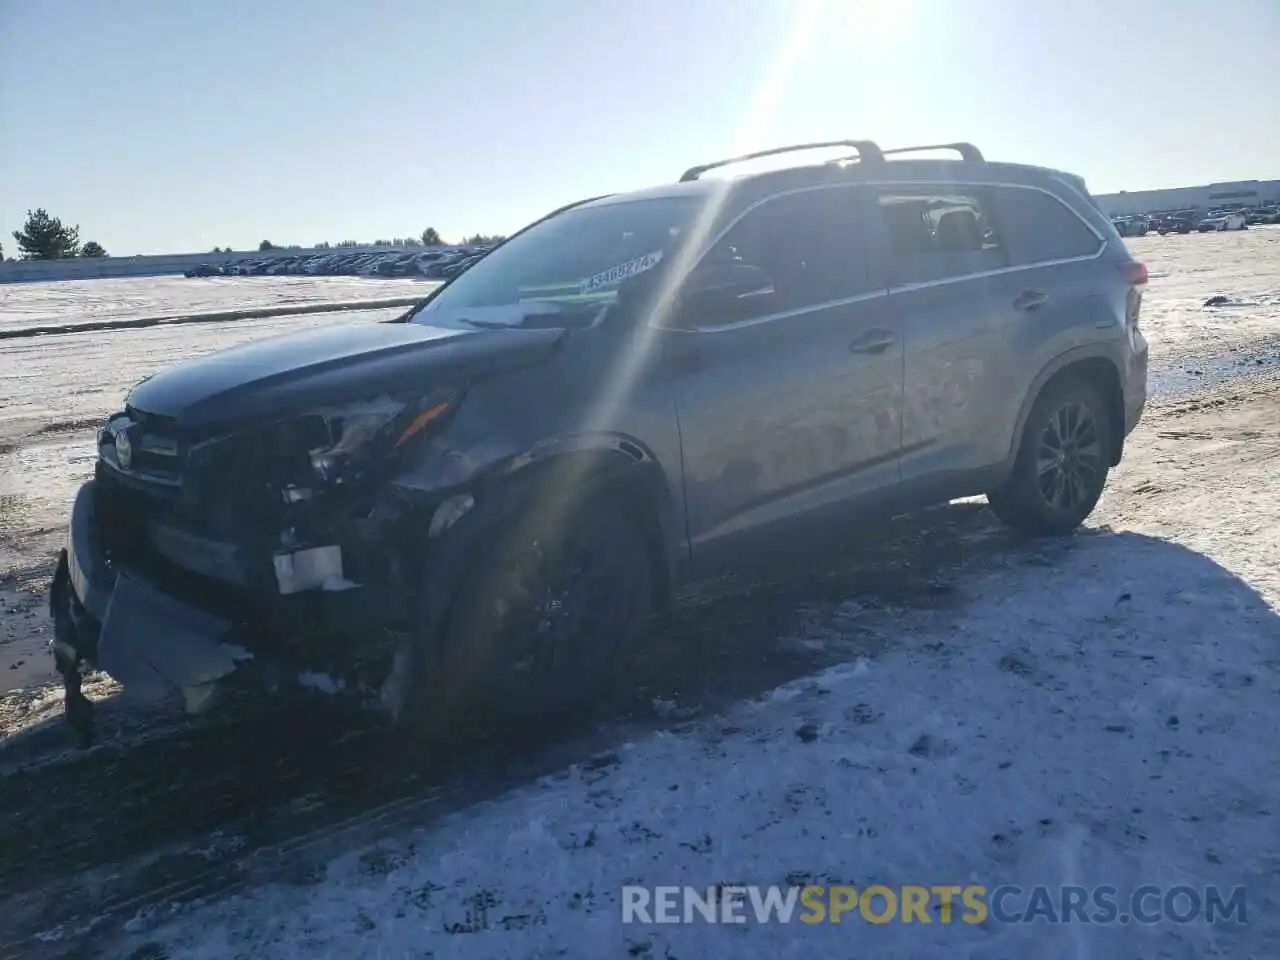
118	622
165	611
152	643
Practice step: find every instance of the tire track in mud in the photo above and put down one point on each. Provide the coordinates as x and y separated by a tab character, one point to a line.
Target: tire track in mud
296	851
271	794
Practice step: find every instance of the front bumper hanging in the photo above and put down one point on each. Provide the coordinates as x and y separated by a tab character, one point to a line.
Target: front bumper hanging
159	622
150	642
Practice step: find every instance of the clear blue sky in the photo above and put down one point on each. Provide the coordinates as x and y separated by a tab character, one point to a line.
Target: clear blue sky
178	125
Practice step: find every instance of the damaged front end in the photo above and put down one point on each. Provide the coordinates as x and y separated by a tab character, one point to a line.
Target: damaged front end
276	551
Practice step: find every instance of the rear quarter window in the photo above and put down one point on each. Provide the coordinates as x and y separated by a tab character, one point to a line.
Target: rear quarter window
1040	228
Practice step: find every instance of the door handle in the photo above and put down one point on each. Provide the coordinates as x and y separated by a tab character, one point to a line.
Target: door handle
872	342
1030	300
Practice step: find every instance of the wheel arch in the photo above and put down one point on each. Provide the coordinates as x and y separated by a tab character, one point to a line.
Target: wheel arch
573	469
616	467
1087	364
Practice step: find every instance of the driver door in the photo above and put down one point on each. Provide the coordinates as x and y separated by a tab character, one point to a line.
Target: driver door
790	401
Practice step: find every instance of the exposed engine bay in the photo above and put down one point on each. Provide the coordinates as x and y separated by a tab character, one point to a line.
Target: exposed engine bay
282	526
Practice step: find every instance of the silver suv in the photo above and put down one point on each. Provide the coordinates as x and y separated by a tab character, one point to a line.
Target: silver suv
490	495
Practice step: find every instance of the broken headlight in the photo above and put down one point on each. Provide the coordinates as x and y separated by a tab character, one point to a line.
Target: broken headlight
357	430
352	428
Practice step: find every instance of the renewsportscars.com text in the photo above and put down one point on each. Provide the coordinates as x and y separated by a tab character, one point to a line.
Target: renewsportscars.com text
945	904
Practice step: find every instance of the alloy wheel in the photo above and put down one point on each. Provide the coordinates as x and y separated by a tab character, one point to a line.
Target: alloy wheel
564	606
1069	461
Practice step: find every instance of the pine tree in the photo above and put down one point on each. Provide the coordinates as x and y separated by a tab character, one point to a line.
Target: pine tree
44	237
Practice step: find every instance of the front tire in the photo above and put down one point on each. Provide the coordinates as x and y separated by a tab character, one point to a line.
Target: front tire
543	619
1062	463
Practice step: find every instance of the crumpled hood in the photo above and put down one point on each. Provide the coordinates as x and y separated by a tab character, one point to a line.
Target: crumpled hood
284	374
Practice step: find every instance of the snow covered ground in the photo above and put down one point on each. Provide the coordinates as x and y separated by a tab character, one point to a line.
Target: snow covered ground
1094	711
1101	711
41	390
1188	269
78	301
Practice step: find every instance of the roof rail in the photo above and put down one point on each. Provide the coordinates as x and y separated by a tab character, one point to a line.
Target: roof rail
967	151
867	151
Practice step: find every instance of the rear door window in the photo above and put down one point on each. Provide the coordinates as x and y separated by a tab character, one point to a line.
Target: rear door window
1041	228
940	232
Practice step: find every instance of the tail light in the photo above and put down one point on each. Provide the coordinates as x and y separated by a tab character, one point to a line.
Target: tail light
1134	272
1136	275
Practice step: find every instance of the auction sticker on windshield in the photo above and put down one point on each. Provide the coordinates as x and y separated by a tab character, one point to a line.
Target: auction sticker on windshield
614	275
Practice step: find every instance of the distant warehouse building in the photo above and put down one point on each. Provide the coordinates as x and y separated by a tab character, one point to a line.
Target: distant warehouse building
1241	193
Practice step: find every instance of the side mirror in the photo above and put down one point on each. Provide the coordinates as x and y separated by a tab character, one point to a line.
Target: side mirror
723	293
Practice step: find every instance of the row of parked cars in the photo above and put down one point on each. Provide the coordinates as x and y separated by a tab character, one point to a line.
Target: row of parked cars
434	263
1191	221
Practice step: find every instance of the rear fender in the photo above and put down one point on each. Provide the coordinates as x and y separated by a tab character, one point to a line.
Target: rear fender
1050	370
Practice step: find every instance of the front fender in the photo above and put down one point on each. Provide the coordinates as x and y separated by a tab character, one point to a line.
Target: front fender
495	496
592	462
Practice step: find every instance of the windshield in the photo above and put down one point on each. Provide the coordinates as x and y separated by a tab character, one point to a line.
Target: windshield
579	257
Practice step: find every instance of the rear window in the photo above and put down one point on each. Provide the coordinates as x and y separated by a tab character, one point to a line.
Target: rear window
1038	227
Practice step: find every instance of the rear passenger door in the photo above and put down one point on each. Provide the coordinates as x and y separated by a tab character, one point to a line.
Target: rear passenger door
1054	257
952	290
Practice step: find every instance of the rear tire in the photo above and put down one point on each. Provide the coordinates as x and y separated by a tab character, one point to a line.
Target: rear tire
541	621
1062	464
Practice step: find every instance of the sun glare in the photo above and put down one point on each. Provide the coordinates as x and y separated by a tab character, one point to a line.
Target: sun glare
755	127
867	24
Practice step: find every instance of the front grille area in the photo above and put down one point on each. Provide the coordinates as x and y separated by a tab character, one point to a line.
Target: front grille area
217	507
235	579
127	518
147	449
227	486
236	483
205	521
155	520
212	502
